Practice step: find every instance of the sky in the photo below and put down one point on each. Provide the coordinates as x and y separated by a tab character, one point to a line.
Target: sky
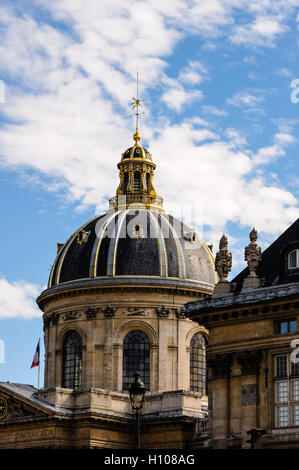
220	84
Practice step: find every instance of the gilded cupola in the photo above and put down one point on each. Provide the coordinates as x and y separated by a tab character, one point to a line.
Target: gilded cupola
136	172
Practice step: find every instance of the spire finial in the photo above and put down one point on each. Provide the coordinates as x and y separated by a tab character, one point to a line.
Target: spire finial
136	103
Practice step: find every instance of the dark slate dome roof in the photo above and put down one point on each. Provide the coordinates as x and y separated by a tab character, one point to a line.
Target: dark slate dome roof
137	152
134	243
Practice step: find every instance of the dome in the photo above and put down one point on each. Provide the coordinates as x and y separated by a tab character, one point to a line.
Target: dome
136	152
139	243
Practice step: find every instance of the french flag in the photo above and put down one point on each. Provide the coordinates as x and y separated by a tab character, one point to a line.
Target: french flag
35	361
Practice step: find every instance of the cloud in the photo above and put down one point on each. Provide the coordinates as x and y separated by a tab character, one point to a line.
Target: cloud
193	74
251	60
214	110
283	72
266	154
177	96
246	99
68	115
219	179
262	31
235	137
17	299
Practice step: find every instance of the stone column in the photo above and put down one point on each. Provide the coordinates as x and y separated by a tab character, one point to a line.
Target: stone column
90	376
53	355
109	312
219	391
182	357
163	314
249	393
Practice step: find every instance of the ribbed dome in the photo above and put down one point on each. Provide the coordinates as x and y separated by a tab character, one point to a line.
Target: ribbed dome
138	243
137	152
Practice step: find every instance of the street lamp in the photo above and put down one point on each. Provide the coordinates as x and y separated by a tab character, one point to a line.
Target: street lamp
137	392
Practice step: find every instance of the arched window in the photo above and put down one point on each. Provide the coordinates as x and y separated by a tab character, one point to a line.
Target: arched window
148	182
136	358
126	181
198	364
72	361
136	182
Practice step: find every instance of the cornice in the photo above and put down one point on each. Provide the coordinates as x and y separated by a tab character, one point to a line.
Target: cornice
144	284
261	294
275	303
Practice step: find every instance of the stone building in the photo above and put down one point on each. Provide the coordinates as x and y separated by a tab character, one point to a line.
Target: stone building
253	351
115	305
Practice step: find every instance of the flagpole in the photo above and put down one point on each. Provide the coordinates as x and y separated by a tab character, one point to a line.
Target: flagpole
38	365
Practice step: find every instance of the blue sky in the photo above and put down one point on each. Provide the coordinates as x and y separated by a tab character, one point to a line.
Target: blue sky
219	121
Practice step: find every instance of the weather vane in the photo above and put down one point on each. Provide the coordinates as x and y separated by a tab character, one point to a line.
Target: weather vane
136	104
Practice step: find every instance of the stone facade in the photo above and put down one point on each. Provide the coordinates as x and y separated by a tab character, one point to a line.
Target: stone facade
253	332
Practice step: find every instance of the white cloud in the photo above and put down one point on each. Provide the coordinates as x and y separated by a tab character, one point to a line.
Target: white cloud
251	60
252	76
213	110
263	31
193	74
236	138
73	122
283	72
219	181
176	97
278	149
245	99
17	299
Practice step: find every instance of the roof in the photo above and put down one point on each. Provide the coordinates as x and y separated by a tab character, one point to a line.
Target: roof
29	393
272	268
137	243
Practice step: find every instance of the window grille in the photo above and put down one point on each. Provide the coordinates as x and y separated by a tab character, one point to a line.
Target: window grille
286	392
72	361
136	358
198	370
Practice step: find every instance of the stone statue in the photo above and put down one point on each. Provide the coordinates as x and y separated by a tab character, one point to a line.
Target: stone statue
223	260
253	254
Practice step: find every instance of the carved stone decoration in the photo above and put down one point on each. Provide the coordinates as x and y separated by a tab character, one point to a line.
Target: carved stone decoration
253	254
46	322
59	246
71	316
163	312
220	365
91	313
18	410
223	260
109	311
137	231
249	395
250	362
136	311
82	237
180	313
51	319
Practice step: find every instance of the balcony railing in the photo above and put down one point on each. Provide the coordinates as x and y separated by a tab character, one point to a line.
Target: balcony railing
127	199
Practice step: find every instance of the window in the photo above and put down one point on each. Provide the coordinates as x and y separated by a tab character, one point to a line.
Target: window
72	361
198	364
136	358
126	181
293	259
288	326
286	392
148	182
136	182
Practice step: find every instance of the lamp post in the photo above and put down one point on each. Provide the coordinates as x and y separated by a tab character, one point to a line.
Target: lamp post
137	392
